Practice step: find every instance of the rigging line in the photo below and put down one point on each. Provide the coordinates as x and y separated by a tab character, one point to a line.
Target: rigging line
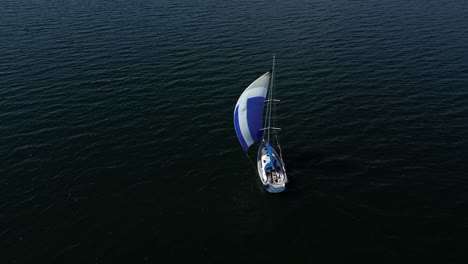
271	96
253	166
279	147
265	123
251	161
274	117
276	121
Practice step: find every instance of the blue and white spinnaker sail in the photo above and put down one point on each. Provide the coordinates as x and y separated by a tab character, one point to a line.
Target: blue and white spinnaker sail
248	114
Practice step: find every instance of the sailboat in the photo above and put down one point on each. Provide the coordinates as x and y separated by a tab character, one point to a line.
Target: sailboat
253	125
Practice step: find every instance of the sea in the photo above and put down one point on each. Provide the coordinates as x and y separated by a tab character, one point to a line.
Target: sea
117	142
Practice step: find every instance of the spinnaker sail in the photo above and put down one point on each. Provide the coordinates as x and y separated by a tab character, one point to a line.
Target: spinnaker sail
248	113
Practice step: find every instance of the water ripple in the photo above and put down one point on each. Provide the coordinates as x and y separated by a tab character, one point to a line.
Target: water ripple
117	124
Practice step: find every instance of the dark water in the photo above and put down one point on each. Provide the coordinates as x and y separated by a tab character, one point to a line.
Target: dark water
117	143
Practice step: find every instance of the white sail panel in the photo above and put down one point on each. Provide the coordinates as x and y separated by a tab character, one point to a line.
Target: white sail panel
248	113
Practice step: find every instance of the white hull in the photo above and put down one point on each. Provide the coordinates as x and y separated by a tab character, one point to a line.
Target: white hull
274	180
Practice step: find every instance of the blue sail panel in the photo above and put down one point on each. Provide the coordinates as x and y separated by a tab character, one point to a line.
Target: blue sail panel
238	130
255	117
248	113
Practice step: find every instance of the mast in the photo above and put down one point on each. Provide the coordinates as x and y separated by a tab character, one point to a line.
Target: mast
270	99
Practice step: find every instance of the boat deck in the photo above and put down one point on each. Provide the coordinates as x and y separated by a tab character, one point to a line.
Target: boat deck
275	176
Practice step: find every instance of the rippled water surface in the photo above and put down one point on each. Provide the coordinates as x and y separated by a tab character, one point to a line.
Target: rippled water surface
117	142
